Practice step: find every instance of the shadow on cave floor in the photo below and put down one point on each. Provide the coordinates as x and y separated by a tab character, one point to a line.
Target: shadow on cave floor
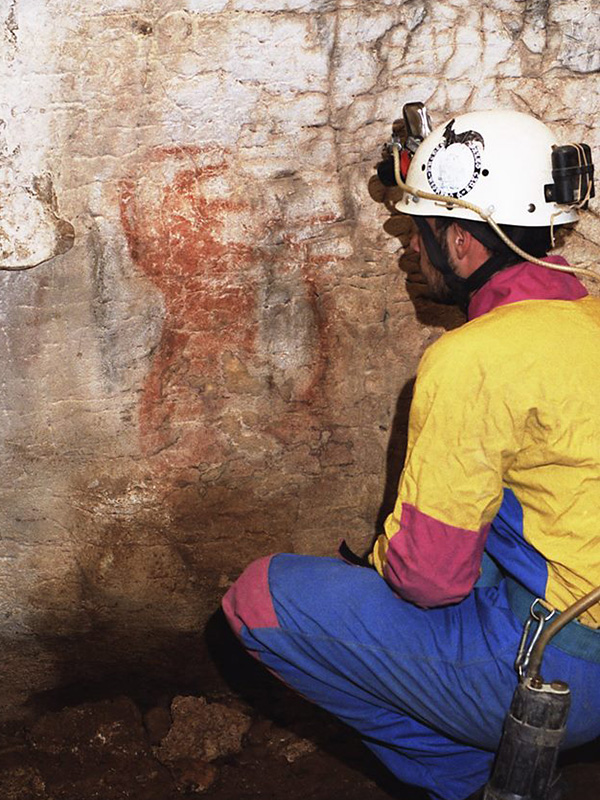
236	733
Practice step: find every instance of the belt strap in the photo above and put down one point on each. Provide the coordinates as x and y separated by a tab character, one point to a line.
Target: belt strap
575	639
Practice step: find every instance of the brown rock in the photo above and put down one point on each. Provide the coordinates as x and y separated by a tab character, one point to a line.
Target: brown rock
202	731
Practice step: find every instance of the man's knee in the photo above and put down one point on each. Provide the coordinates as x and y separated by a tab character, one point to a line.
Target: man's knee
248	602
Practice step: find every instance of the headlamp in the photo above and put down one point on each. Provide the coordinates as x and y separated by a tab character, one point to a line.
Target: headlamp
573	175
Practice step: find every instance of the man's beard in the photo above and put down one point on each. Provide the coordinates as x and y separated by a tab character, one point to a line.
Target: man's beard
439	291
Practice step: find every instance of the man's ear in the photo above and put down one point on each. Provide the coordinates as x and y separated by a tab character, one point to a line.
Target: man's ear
466	252
460	241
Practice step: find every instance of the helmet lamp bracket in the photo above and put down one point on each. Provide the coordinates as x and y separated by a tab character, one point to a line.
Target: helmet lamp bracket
407	135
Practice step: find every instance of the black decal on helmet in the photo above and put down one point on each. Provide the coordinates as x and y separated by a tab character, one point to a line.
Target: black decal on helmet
451	137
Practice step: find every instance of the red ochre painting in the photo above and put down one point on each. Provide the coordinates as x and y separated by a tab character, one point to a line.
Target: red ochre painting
195	235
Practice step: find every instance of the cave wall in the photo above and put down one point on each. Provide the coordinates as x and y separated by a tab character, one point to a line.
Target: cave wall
209	356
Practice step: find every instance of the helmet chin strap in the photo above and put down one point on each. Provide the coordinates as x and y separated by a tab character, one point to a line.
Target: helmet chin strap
461	289
501	255
495	263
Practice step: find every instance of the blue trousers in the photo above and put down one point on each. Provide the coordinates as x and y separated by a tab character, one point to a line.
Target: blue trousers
427	689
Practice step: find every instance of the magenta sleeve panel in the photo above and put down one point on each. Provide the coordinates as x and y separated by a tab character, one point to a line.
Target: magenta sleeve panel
431	563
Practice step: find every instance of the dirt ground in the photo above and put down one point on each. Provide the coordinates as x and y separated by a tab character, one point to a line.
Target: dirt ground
109	750
249	738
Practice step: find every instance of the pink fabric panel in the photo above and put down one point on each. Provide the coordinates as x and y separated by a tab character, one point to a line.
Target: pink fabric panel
430	563
248	601
526	281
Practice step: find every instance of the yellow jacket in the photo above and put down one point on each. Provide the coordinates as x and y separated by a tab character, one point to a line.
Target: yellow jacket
504	448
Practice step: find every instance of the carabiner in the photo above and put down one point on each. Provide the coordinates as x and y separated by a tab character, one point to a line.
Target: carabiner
527	644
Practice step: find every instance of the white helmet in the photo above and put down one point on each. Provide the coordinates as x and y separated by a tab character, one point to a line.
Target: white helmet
499	161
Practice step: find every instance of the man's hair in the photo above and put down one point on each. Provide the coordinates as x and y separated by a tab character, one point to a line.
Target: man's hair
536	241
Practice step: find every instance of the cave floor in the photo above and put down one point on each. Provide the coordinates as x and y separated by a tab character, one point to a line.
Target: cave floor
108	750
226	730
